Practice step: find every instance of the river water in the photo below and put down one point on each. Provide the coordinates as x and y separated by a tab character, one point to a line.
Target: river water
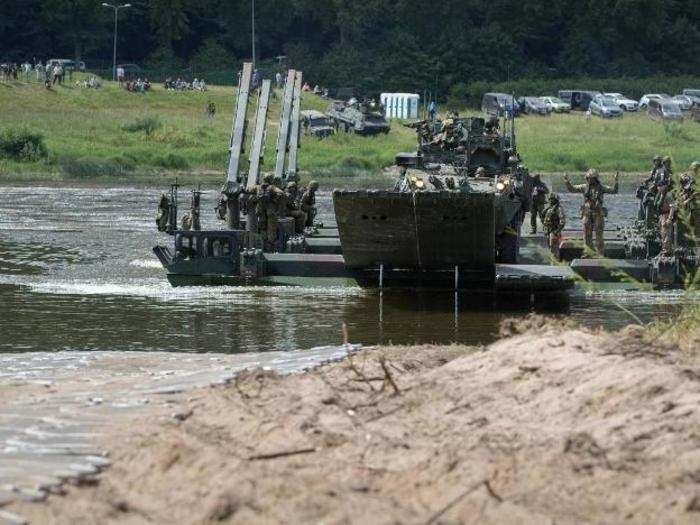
77	273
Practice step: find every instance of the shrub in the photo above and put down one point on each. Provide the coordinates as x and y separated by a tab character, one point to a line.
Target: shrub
675	131
173	162
89	167
22	145
146	124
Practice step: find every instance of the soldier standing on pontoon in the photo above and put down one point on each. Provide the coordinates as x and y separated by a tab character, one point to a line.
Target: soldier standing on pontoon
593	212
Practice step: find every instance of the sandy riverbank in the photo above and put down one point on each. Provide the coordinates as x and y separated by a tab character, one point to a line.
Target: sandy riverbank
554	424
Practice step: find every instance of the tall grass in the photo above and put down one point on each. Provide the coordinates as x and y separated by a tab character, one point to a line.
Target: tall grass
160	131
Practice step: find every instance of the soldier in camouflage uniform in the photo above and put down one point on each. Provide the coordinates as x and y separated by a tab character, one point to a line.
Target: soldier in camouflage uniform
163	214
268	211
538	201
308	203
553	222
647	191
688	221
593	212
293	202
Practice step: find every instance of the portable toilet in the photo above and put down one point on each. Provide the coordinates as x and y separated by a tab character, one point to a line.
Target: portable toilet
400	105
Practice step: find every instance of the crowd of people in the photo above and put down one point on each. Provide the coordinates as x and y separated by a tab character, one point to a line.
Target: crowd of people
180	84
138	86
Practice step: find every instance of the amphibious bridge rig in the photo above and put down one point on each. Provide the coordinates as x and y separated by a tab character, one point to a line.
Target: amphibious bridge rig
234	255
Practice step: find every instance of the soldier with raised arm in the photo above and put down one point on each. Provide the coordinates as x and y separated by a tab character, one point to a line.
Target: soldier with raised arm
593	212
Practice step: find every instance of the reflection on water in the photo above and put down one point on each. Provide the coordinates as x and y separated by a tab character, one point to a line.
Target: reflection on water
80	275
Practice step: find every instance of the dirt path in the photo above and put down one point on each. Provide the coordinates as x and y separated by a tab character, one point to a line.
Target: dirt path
554	425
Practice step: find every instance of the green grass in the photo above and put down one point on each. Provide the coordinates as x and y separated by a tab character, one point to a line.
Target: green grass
115	135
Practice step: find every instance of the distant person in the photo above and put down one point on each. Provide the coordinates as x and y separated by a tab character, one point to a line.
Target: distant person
256	79
306	87
211	110
317	90
278	79
120	74
57	74
39	71
432	110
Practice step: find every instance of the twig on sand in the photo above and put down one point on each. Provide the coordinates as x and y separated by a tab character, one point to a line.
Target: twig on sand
282	454
454	502
388	377
359	374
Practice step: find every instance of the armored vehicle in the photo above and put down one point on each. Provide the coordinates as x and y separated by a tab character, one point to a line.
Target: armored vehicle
316	124
362	118
455	218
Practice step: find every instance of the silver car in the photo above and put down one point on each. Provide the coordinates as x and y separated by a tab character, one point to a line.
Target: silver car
606	107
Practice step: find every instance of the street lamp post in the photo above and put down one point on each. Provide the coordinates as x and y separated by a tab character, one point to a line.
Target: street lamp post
114	54
252	31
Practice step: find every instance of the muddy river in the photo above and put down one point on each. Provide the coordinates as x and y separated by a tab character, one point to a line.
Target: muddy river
77	273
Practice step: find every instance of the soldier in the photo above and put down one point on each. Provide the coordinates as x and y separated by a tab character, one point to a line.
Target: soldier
553	222
593	212
662	182
437	183
293	207
645	192
687	220
401	182
308	203
480	172
491	127
450	183
539	197
163	214
268	211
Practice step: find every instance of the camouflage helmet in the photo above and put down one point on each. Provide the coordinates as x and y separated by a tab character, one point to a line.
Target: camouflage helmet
666	161
291	185
313	185
695	166
480	172
657	158
553	198
267	178
592	174
277	181
513	160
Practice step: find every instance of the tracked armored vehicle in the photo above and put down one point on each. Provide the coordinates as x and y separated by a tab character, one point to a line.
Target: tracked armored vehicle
454	214
360	118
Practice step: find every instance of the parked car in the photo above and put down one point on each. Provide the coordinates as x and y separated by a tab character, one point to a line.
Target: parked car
644	101
605	106
683	101
626	104
694	95
533	105
556	104
499	105
578	99
664	109
73	65
316	124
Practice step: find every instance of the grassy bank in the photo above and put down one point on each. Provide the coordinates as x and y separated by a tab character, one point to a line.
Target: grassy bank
110	134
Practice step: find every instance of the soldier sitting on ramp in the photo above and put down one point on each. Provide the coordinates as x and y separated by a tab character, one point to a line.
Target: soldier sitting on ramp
593	212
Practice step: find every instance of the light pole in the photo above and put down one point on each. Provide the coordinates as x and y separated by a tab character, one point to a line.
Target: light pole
114	55
252	25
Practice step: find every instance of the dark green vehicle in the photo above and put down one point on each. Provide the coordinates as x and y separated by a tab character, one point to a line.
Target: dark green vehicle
361	118
451	219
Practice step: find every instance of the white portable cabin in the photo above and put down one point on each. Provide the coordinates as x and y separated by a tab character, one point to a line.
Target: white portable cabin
400	105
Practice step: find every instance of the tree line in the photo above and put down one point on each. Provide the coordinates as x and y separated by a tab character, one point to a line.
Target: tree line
372	44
